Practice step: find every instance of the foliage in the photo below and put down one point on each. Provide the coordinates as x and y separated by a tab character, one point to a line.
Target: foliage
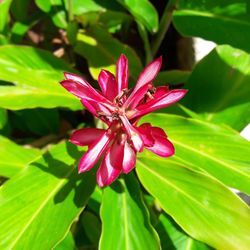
181	202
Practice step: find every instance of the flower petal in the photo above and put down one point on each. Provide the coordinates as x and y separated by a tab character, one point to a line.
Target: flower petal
111	165
145	133
122	73
133	134
129	158
149	73
108	84
76	78
165	100
86	136
98	110
86	92
94	152
162	146
145	78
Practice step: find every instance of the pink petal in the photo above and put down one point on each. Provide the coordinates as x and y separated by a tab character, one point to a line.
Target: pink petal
162	146
97	109
86	92
145	78
133	134
111	165
86	136
145	133
122	73
94	152
129	158
149	73
76	78
165	100
108	84
135	99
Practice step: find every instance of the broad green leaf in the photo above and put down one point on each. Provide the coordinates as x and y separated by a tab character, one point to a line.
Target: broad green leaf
37	121
55	9
36	74
4	17
172	77
125	218
3	118
92	227
144	12
46	197
13	157
81	7
224	22
173	237
201	205
67	243
219	87
219	151
19	10
102	51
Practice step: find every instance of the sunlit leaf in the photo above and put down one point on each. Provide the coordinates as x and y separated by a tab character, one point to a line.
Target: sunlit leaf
224	22
144	12
217	150
102	51
201	205
35	74
173	237
46	197
13	157
219	87
125	218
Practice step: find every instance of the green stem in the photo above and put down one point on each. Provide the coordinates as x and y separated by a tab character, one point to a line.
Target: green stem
165	22
70	11
144	36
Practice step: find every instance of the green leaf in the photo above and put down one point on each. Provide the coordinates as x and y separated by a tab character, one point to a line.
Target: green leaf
201	205
80	7
144	12
67	243
102	51
13	157
173	237
4	17
36	74
37	121
92	226
125	218
217	150
19	10
224	22
219	87
46	198
55	9
3	118
172	77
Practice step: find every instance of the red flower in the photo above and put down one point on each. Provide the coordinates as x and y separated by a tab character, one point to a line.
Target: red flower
121	109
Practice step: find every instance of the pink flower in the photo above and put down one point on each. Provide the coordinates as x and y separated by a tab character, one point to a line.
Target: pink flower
121	108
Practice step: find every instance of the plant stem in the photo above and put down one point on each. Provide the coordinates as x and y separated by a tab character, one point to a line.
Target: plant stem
144	37
165	22
70	11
